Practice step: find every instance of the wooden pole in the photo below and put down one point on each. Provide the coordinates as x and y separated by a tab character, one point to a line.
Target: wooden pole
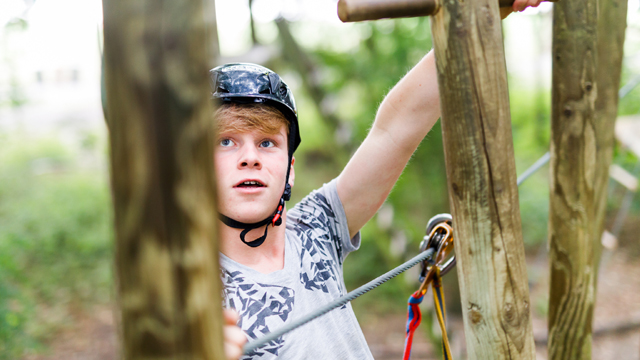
162	179
213	50
612	23
573	246
481	174
362	10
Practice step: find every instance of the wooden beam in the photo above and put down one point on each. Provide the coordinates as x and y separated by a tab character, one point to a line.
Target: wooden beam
481	175
362	10
160	125
577	179
623	177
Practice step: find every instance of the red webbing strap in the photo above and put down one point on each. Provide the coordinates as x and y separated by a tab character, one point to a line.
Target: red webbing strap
414	316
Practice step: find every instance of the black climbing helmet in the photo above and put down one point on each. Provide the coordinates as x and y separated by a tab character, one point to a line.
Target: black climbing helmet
246	83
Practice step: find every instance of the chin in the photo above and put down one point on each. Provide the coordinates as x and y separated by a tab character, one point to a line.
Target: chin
252	215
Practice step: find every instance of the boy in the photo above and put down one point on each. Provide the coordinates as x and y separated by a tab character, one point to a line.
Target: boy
272	274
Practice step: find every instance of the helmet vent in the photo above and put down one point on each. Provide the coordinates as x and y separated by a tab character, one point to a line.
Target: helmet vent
265	91
222	90
283	90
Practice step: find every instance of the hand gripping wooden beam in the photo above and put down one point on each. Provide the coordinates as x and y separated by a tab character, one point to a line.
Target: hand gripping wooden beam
362	10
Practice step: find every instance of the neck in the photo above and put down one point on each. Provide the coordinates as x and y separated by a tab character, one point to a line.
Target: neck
265	258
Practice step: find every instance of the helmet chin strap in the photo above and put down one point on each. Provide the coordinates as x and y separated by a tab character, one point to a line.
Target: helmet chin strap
274	220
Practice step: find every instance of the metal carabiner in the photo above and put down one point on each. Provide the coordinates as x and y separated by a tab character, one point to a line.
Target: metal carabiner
439	237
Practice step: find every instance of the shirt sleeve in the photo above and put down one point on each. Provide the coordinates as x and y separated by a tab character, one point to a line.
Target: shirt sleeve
323	208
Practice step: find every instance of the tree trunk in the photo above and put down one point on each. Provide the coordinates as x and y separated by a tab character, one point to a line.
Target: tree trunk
481	174
162	179
576	180
305	67
213	51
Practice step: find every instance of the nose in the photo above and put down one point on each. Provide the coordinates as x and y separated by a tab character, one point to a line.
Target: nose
249	158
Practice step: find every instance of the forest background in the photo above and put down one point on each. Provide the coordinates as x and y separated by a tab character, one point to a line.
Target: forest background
56	237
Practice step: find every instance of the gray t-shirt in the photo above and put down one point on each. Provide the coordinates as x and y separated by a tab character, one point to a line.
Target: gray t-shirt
316	243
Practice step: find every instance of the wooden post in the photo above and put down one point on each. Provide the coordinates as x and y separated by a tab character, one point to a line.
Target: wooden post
612	23
483	195
476	127
573	245
160	118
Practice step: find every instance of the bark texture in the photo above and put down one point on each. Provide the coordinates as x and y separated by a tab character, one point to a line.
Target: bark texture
576	179
482	180
162	179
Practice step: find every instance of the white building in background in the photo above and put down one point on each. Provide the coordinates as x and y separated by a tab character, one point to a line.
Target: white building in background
50	68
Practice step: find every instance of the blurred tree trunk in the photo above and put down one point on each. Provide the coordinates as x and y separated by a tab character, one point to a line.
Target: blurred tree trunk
252	25
576	179
213	50
481	172
159	117
309	73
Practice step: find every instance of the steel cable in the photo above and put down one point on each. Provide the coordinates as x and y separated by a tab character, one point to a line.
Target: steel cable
252	345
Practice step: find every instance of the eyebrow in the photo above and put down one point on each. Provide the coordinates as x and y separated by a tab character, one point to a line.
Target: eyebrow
230	132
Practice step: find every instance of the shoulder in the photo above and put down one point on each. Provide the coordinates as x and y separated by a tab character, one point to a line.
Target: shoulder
319	207
321	215
320	224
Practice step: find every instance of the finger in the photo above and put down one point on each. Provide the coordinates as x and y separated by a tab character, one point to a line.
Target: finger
233	335
532	3
231	316
232	352
519	5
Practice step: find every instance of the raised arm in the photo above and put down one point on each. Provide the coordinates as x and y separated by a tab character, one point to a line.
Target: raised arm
404	118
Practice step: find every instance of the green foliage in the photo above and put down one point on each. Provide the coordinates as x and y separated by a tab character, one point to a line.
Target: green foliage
630	104
530	121
55	246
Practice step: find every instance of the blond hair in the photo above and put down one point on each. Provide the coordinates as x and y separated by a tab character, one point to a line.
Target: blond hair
248	117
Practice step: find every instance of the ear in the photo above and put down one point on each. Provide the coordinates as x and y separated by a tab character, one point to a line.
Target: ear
292	172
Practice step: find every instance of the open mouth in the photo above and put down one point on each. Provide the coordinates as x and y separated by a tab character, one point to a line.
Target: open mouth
250	184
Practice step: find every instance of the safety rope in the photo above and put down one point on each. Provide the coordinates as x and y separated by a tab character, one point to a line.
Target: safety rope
252	345
414	315
441	313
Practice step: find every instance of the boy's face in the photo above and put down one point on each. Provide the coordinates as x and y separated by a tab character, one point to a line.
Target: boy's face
251	167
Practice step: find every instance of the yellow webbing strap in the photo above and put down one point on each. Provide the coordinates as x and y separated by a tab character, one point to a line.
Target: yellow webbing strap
438	300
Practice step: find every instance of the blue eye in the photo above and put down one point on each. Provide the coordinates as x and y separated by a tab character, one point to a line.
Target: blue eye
226	142
267	143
